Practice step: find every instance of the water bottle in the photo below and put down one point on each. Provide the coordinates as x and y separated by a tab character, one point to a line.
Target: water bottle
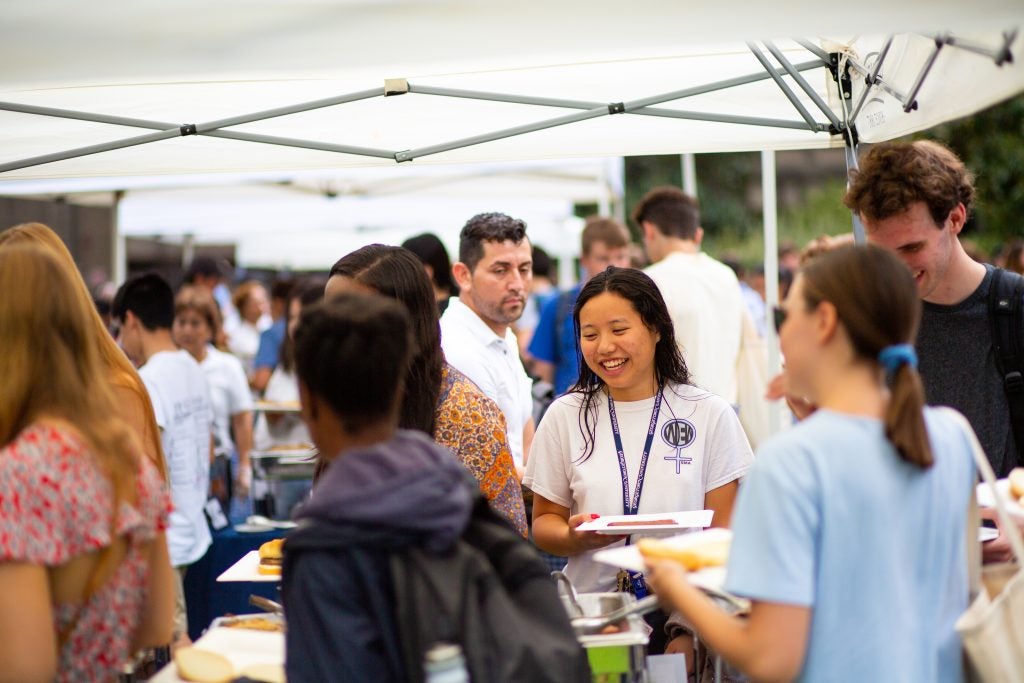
444	663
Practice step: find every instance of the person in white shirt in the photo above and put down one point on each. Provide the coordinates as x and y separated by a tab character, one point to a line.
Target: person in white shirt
144	307
702	294
632	422
493	273
196	326
250	300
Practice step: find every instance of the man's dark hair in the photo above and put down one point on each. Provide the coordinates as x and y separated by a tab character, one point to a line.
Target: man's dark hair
430	250
672	211
487	227
149	298
352	352
543	266
895	175
281	289
204	266
608	231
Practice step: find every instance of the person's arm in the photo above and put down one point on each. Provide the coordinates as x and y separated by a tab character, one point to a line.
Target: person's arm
528	432
259	379
157	625
769	645
555	531
721	501
241	425
28	643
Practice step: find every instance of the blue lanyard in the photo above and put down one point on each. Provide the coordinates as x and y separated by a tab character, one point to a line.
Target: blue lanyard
631	507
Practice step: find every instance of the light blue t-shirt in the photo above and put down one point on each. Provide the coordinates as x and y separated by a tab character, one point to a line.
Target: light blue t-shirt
831	518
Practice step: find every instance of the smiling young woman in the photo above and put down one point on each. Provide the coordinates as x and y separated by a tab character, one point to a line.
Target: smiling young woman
633	435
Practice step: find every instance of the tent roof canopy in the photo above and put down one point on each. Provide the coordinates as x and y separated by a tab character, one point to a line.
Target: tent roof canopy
547	80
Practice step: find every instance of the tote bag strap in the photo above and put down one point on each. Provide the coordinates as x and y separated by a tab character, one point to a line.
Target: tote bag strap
1009	526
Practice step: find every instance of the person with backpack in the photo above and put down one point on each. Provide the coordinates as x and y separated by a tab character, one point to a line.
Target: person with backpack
390	509
914	198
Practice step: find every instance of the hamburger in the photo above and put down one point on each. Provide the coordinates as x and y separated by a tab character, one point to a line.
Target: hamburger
271	556
694	557
1017	483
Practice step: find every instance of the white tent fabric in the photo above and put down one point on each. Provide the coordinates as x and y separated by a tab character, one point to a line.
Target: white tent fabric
191	62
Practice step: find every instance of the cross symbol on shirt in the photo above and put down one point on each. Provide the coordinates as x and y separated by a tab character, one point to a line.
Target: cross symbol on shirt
678	459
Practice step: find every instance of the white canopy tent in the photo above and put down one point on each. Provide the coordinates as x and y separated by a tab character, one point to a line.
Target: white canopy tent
147	88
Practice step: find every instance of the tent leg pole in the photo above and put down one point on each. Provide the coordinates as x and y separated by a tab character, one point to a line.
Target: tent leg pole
851	166
118	255
771	272
689	166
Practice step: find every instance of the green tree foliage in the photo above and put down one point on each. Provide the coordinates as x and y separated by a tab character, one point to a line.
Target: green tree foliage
991	143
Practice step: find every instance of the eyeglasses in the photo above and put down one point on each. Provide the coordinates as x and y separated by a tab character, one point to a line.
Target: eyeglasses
779	315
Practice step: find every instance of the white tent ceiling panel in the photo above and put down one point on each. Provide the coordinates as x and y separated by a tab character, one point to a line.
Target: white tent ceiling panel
192	62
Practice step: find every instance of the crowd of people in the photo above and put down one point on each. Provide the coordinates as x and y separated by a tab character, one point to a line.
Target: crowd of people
417	384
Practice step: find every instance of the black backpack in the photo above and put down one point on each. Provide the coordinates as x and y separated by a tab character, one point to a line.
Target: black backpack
1005	302
493	595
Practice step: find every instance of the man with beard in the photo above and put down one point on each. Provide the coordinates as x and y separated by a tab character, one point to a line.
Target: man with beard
493	274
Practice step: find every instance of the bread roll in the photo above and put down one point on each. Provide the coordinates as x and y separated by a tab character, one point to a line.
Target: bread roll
1017	483
267	673
693	557
203	666
271	555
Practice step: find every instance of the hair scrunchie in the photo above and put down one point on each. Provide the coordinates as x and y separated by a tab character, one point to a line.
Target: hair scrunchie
892	357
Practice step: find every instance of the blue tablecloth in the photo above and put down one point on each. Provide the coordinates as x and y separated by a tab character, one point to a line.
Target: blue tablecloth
205	598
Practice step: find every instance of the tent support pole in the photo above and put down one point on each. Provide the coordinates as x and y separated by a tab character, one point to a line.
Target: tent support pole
689	168
91	149
580	104
910	103
727	118
804	85
871	79
118	255
790	95
771	271
851	167
814	49
999	56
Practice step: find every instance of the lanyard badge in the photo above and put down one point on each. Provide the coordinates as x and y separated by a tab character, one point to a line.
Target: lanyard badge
633	581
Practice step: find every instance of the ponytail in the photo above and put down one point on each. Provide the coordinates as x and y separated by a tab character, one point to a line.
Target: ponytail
904	416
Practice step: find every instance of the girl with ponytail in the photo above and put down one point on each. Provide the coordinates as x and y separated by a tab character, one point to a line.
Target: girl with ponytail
849	531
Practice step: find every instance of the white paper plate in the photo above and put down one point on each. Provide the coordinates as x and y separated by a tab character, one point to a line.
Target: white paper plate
246	570
986	533
242	647
985	498
688	519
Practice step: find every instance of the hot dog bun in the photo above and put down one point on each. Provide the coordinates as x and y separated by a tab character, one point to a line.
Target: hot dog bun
694	557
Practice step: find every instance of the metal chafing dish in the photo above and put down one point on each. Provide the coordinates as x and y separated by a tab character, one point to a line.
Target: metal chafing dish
281	476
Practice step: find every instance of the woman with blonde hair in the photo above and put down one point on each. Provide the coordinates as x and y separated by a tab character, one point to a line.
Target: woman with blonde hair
132	402
85	578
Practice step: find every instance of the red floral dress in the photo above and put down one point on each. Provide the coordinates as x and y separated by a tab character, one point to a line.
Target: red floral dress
55	504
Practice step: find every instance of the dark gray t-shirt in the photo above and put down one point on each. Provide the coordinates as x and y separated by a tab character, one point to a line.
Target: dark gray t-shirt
958	368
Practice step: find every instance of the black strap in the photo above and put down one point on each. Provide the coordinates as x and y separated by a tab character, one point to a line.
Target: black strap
1005	305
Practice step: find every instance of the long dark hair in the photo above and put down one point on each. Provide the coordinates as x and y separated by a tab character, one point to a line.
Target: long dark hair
876	300
309	291
640	291
397	273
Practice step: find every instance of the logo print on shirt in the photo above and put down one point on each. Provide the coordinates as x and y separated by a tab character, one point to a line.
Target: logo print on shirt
678	434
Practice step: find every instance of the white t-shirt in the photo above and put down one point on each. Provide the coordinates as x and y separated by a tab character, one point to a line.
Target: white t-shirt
229	395
698	446
703	296
492	362
288	428
181	402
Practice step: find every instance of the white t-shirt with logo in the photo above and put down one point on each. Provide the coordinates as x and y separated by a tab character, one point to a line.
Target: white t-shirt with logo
181	401
704	298
698	446
229	395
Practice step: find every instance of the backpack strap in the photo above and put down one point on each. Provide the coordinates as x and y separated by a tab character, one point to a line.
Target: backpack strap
1005	305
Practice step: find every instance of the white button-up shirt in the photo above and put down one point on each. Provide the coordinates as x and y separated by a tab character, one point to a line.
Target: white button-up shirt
492	362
